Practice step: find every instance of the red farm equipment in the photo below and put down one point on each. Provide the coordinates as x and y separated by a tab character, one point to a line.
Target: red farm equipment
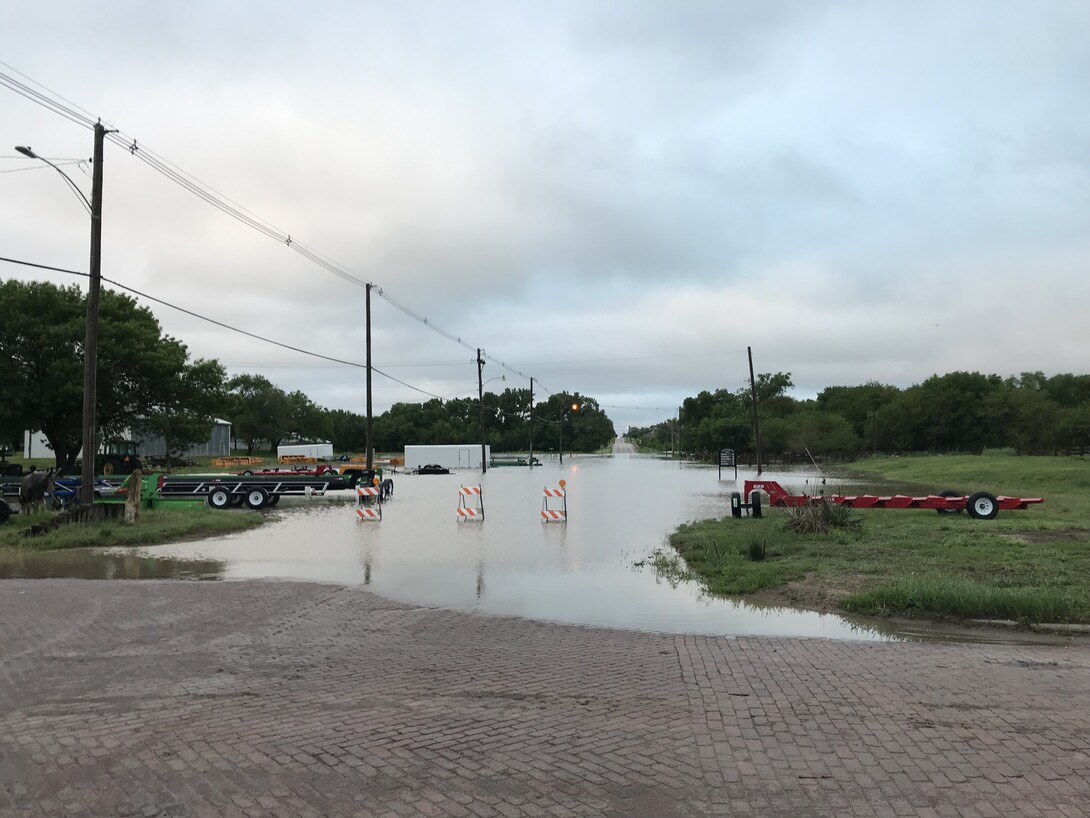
981	505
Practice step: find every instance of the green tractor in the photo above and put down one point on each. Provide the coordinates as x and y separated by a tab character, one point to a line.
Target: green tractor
119	457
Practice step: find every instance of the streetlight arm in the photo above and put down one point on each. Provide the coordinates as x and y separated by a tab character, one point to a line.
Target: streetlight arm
27	152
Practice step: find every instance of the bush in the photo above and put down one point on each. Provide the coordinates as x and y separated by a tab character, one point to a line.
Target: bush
821	518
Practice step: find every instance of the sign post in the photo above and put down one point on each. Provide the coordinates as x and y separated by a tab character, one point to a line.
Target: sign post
727	458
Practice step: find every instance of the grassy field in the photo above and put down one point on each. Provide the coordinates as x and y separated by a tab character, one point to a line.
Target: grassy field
152	528
1030	566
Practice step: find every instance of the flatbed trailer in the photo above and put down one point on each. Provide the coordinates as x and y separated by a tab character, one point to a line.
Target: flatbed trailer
981	505
255	491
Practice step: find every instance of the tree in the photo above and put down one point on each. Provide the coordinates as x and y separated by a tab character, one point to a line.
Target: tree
41	358
185	413
260	411
307	420
348	430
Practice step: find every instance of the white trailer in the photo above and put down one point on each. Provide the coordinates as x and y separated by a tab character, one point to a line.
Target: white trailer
315	450
458	456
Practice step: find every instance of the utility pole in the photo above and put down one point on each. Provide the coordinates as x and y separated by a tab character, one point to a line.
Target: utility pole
480	402
90	341
370	440
531	423
756	429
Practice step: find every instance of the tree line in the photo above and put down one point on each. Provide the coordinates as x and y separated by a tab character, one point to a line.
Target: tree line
957	412
148	384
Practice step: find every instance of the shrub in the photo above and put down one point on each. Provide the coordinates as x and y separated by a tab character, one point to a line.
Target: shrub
821	518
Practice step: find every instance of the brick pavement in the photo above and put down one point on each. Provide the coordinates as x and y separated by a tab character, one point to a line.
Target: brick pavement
291	699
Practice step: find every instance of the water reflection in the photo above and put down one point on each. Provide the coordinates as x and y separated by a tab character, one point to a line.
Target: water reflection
92	563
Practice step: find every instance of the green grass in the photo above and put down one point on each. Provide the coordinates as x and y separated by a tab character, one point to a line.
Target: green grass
1030	565
154	526
959	598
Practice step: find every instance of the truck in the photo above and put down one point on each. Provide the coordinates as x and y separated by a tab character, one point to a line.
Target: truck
456	456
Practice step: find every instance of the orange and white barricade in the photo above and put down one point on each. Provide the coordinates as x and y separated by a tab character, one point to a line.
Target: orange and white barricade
470	503
554	505
369	503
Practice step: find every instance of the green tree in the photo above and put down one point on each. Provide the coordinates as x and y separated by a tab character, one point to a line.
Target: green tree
41	358
348	430
260	411
183	414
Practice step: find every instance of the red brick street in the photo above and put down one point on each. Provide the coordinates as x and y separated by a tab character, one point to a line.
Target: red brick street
151	698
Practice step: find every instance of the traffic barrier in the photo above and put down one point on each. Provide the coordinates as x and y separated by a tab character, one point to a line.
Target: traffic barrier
369	502
470	503
552	513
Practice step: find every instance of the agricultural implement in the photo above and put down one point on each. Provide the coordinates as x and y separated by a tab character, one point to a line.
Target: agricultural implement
981	505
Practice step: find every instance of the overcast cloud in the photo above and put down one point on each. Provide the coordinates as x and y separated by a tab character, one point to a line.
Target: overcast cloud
613	197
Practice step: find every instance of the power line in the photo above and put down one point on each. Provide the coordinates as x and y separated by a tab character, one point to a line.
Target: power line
222	203
253	335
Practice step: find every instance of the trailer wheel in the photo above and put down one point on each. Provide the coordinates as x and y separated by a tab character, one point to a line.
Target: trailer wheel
950	493
256	498
274	499
755	503
5	512
983	506
735	504
247	473
237	500
219	498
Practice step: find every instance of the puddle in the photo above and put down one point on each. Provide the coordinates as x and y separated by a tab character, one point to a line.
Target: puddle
95	563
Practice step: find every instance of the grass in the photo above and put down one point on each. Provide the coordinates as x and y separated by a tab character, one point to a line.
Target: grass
155	526
1029	566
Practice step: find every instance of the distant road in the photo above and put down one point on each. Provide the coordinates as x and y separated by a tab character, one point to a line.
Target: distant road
621	447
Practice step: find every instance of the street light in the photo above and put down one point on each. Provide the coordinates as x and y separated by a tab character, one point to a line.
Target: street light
560	427
26	151
94	287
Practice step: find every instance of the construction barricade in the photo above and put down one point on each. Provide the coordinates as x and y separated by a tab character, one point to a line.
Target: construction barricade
470	504
369	503
554	505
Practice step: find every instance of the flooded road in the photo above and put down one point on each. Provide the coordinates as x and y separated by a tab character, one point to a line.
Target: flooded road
586	571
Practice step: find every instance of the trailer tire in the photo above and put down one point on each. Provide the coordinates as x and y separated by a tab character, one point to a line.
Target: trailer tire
735	504
256	498
237	500
5	512
950	493
274	499
247	473
755	503
219	498
983	506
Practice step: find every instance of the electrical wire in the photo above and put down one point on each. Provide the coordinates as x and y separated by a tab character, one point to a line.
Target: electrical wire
253	335
222	203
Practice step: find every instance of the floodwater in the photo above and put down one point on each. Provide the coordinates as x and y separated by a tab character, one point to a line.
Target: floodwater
592	570
586	571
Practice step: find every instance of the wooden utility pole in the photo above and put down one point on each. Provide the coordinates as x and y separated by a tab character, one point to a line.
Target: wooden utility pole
480	402
531	461
756	428
90	341
370	440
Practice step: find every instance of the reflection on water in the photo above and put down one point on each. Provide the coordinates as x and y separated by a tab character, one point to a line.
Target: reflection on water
93	563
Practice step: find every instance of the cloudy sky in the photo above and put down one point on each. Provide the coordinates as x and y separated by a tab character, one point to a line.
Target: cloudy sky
616	198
